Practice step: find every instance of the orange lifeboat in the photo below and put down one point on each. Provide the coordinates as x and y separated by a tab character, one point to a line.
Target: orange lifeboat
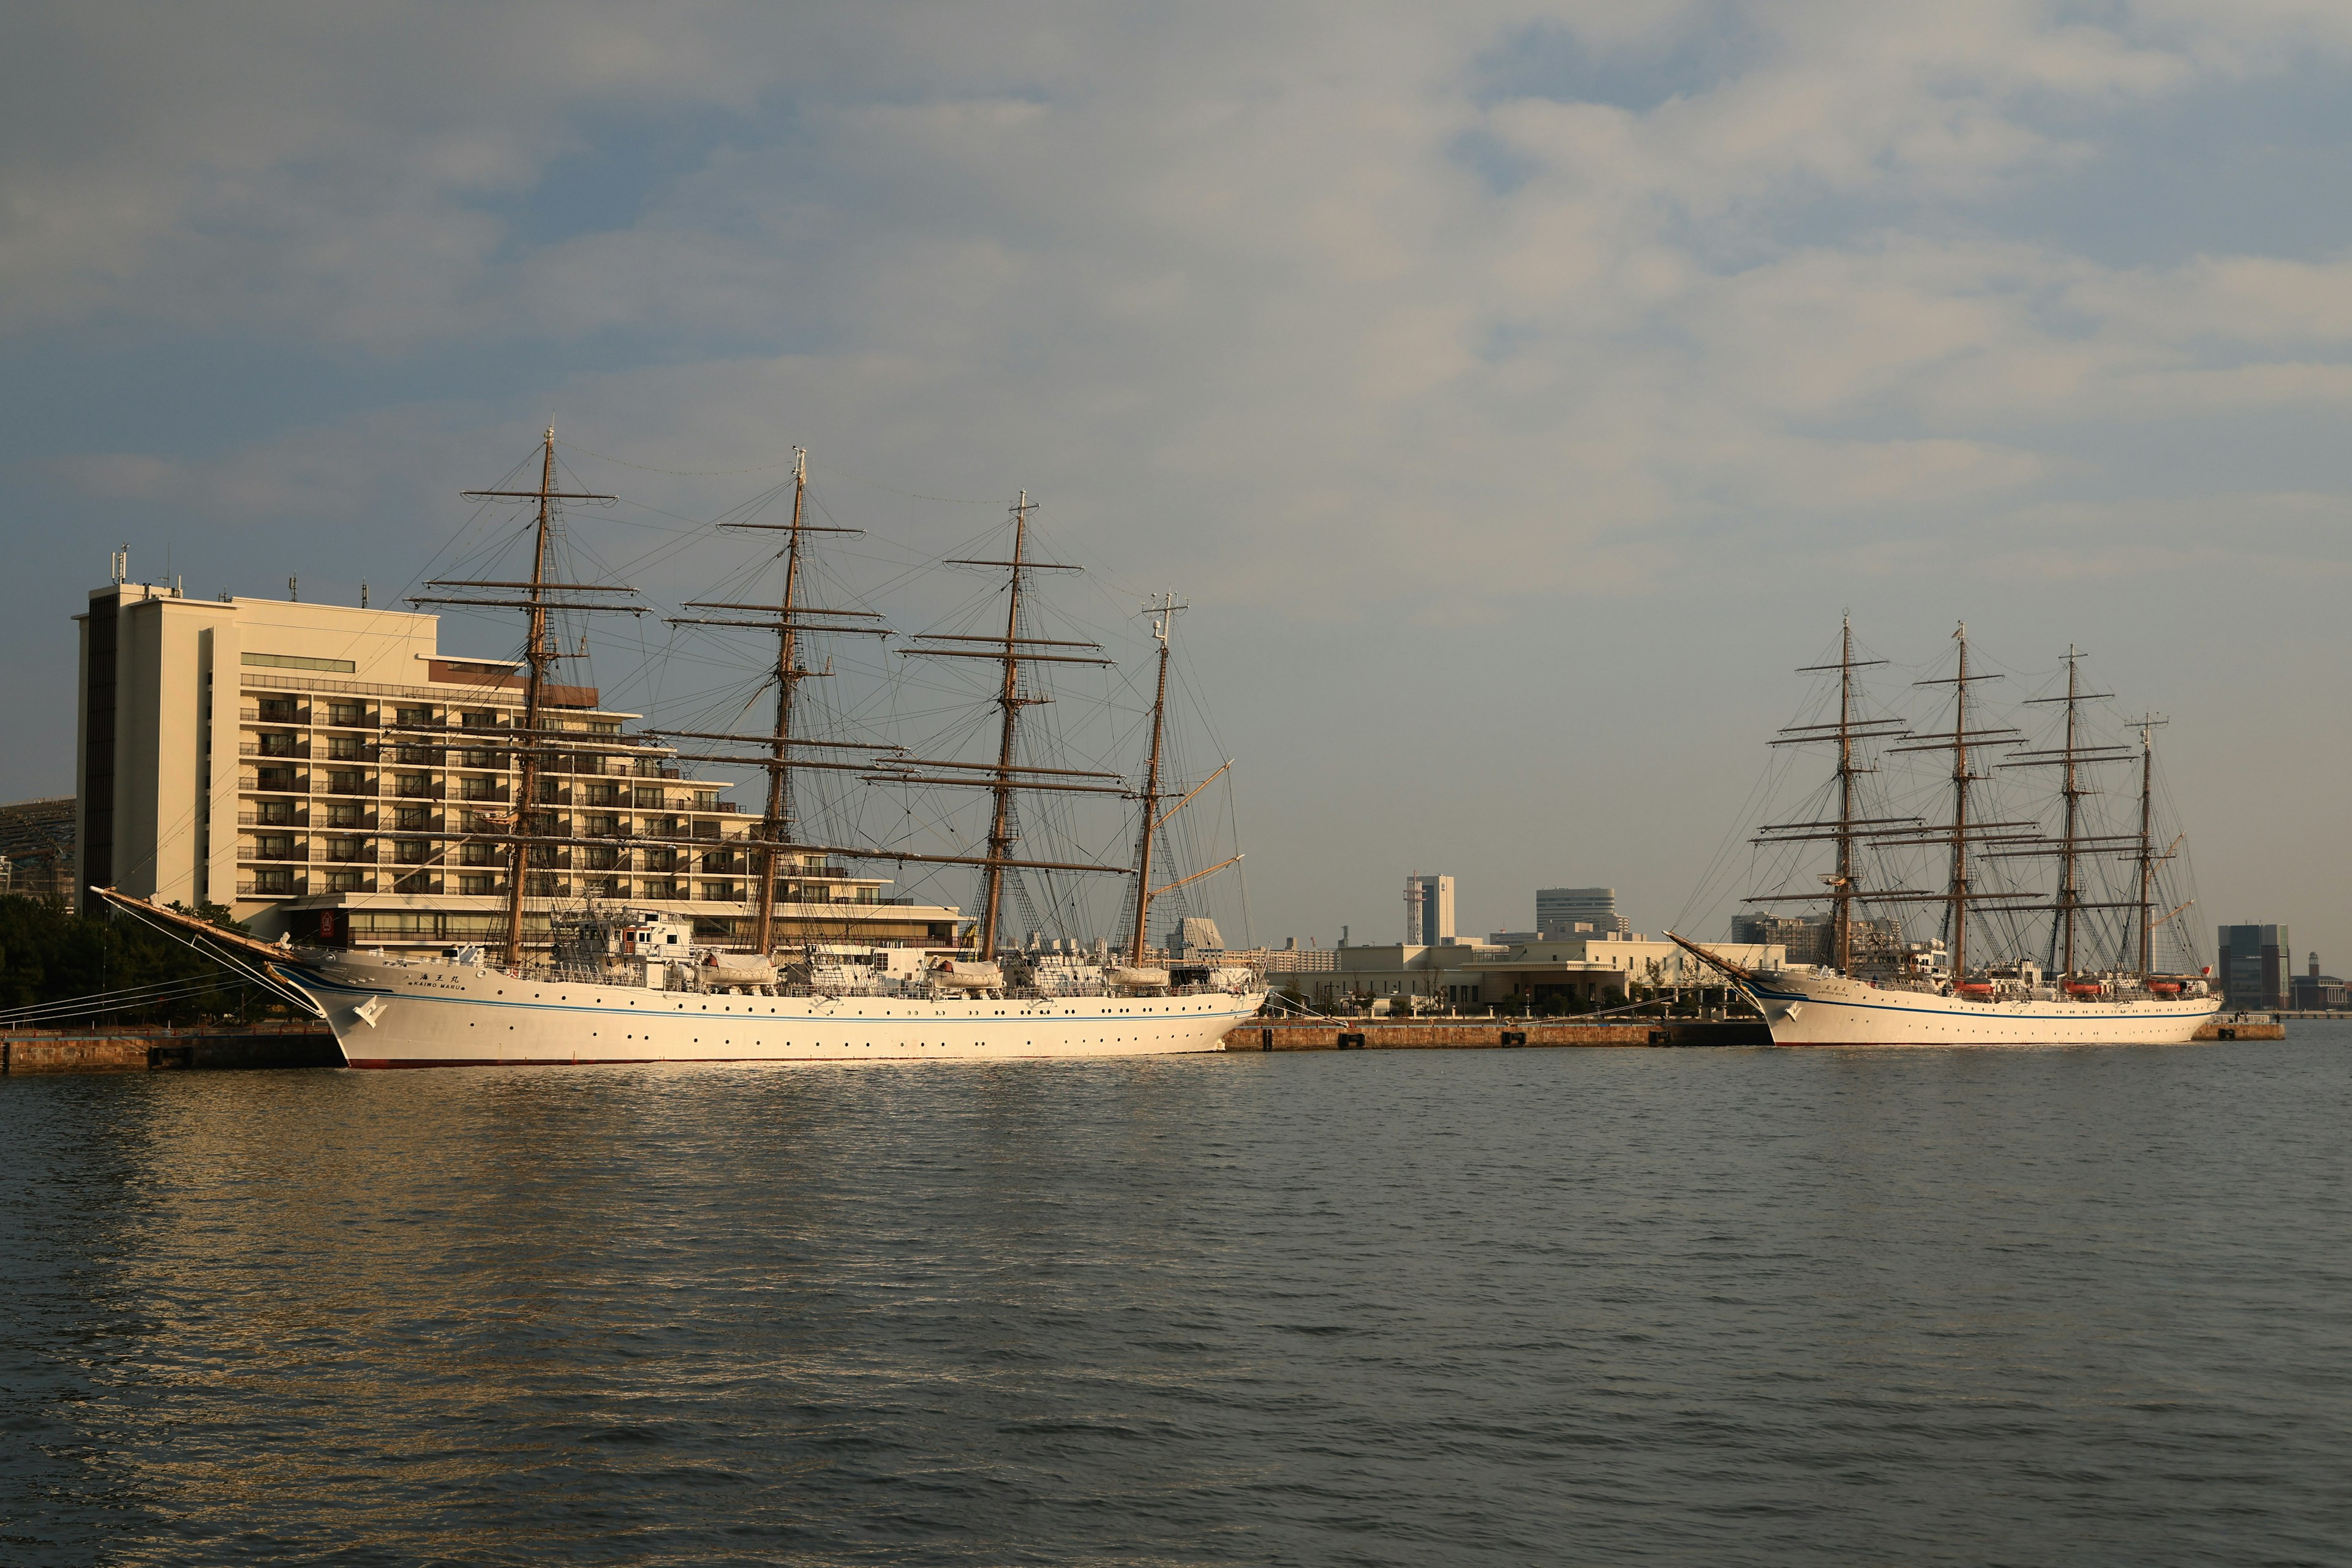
2080	989
1975	989
2164	987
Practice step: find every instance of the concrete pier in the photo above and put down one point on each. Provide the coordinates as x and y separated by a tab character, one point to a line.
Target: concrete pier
1484	1033
135	1049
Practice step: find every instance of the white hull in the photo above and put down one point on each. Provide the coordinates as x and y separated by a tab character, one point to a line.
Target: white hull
1829	1010
388	1014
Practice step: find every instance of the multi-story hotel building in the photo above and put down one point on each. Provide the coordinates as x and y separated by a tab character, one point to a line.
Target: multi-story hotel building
316	768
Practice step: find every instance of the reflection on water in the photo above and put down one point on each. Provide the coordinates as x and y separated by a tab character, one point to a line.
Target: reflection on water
1668	1306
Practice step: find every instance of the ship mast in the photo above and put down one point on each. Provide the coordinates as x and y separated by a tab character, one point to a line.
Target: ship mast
1845	831
2070	759
1007	775
2148	857
790	620
1842	892
540	652
1000	821
1958	893
1165	617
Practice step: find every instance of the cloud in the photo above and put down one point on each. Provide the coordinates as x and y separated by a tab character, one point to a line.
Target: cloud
1228	271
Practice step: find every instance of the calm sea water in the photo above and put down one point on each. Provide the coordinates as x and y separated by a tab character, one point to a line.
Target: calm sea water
1619	1306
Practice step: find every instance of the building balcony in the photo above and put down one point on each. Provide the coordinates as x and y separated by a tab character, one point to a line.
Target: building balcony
262	887
276	710
294	817
484	789
248	854
269	781
411	789
270	746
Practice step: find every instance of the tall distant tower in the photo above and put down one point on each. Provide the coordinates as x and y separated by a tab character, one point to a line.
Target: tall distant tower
1428	910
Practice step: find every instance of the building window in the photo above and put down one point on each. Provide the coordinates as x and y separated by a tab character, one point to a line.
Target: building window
346	882
279	711
414	852
478	886
414	818
417	715
345	713
544	885
273	884
343	817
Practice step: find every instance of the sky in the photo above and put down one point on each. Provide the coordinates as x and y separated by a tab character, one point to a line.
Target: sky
1518	393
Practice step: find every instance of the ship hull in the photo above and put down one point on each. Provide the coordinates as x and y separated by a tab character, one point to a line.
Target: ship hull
395	1014
1828	1010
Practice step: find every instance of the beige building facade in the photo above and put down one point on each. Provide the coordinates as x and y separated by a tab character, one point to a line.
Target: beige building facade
326	771
1591	970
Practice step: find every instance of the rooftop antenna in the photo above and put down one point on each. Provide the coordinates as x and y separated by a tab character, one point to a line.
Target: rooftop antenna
294	589
119	567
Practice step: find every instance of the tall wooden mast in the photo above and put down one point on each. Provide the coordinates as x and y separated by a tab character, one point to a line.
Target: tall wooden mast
1842	891
1957	835
1000	823
2148	857
2070	759
1845	831
790	620
773	823
541	654
1008	774
1164	617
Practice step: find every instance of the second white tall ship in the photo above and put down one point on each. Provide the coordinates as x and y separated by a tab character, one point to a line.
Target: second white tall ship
2092	976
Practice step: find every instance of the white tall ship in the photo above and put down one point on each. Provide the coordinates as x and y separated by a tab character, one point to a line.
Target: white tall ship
2064	957
617	983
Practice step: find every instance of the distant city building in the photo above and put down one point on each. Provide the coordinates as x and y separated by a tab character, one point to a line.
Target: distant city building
1560	910
1809	939
37	839
2317	993
2255	966
1428	911
1195	933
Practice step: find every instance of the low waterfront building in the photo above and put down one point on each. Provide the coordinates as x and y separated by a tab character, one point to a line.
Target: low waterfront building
1590	970
2315	993
328	772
